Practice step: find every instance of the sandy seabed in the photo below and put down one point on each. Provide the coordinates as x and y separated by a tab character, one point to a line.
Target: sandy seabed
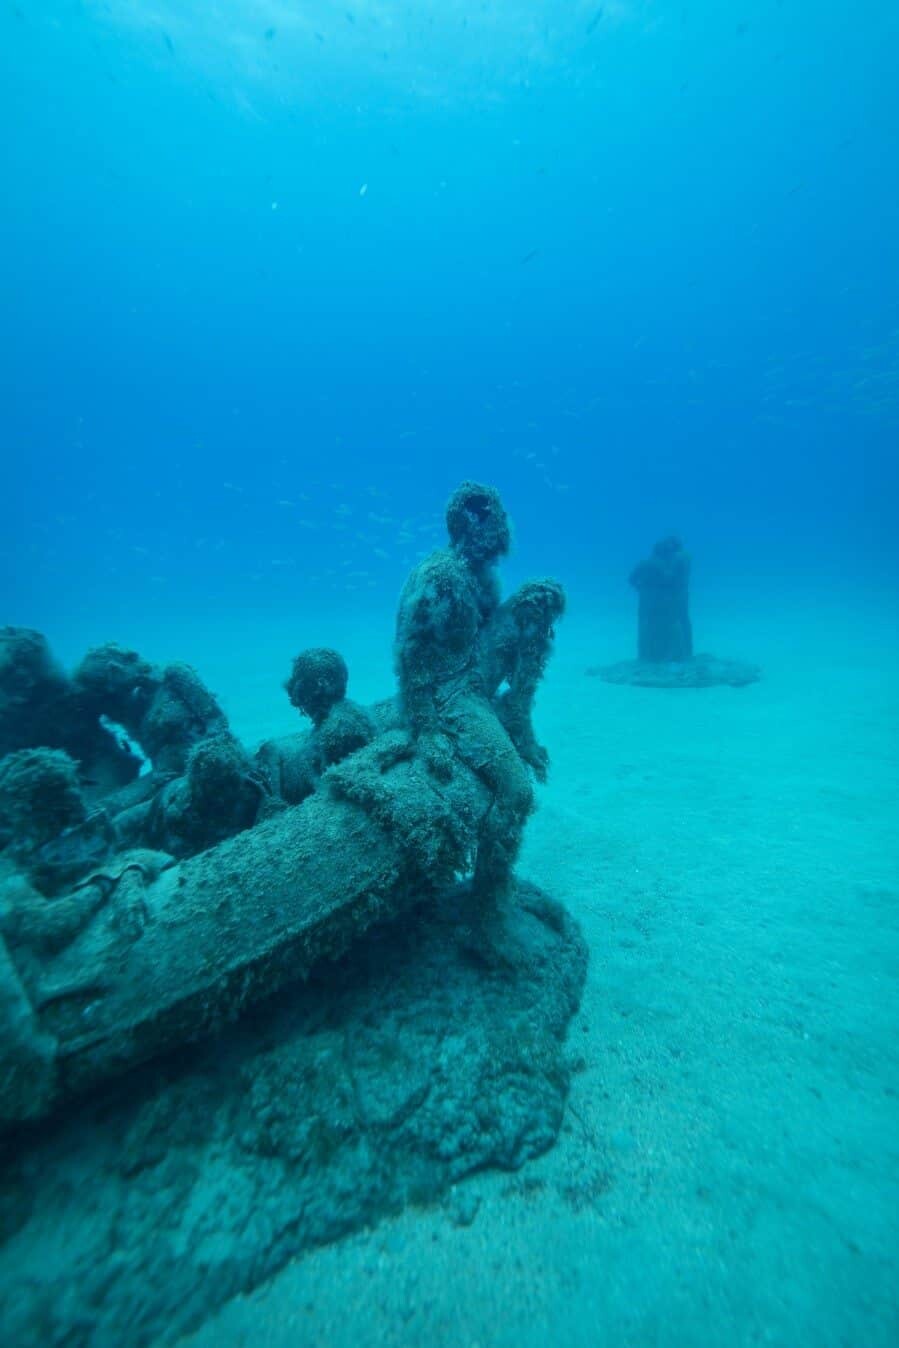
728	1172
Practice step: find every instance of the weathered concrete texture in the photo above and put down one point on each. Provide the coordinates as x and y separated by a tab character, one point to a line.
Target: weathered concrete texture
430	1050
165	954
702	671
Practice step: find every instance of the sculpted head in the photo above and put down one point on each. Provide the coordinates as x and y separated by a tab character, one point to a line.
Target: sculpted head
477	523
538	605
668	547
318	680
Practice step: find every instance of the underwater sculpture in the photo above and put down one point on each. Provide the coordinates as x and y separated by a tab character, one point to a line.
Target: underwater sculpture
147	951
112	697
662	582
292	765
665	657
387	1079
368	1062
146	753
515	648
443	651
41	707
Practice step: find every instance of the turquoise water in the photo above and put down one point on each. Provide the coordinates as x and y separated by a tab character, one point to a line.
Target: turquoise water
275	278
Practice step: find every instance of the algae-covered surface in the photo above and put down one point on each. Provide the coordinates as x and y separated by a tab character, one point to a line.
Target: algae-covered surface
728	1170
283	280
433	1049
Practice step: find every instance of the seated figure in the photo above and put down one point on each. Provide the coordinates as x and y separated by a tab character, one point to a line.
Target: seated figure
455	645
292	765
193	786
172	932
41	707
515	647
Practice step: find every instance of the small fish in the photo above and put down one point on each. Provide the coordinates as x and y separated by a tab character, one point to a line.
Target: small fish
596	20
169	43
363	189
529	257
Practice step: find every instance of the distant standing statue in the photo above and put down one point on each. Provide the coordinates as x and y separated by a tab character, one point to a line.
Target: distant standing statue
665	656
662	582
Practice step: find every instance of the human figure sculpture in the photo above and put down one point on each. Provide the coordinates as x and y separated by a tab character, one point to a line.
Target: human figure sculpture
167	712
662	582
143	952
515	647
293	764
164	713
80	738
146	953
41	707
447	608
218	794
665	655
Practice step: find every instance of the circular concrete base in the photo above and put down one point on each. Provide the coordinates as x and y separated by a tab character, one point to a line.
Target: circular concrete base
703	671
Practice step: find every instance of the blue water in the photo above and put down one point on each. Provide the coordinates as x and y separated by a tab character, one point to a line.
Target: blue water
635	263
274	277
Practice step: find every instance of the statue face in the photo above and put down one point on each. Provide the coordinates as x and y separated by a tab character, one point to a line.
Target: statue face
668	547
541	602
318	680
477	523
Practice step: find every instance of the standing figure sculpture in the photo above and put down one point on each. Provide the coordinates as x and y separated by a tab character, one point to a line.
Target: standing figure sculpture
662	582
665	657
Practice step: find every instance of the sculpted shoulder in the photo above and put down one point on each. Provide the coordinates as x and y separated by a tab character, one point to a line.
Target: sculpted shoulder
440	588
440	571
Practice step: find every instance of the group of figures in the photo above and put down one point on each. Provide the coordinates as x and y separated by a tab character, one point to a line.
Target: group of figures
158	877
252	1001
